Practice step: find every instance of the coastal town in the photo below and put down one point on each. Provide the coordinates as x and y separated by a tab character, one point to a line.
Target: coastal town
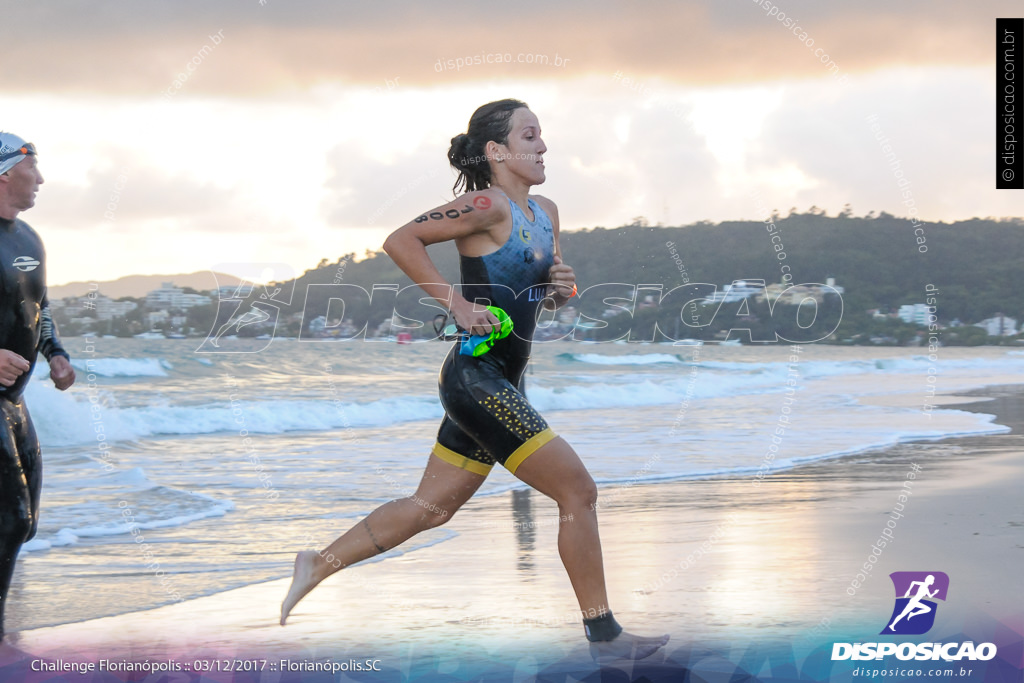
176	312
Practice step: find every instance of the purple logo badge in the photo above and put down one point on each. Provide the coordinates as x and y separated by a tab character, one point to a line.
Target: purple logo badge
916	592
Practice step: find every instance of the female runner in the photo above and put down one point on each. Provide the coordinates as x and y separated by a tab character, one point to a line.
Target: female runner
510	258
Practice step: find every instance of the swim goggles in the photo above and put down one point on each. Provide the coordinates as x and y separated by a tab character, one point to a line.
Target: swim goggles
28	149
474	344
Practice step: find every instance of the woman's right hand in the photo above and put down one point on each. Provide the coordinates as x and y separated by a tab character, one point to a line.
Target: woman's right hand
13	366
474	319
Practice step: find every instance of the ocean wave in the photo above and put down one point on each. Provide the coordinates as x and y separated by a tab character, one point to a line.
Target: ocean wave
148	505
63	421
811	369
624	359
123	367
973	424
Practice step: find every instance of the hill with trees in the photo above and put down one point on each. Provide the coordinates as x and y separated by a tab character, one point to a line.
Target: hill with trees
880	263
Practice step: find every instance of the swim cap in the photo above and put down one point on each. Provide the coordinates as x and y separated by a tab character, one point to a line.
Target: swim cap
12	150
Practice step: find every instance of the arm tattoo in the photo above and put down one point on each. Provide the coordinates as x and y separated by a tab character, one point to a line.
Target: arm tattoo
437	215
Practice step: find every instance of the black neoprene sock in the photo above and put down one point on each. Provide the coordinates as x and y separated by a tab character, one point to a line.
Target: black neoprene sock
601	628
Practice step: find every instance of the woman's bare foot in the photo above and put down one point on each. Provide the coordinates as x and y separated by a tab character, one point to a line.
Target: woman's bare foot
626	646
303	581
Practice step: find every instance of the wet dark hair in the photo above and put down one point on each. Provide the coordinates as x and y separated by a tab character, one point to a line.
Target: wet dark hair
468	154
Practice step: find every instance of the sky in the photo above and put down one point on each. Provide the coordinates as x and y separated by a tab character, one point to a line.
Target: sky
180	136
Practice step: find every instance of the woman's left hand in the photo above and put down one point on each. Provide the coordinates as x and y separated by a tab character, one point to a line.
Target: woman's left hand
563	281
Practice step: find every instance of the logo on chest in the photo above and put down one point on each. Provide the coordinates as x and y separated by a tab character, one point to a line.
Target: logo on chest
25	263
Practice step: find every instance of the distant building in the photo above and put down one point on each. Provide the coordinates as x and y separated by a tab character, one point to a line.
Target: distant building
240	291
998	326
793	295
566	315
916	314
647	302
107	308
831	282
162	298
74	306
169	296
737	291
318	324
191	300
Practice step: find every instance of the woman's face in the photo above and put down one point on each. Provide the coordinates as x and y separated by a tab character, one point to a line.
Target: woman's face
523	155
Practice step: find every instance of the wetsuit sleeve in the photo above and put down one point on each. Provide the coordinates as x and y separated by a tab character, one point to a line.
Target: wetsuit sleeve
49	342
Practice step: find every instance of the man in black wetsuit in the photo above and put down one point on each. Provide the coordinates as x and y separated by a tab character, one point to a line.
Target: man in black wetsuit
26	328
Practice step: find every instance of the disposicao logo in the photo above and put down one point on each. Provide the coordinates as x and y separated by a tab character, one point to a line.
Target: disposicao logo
25	263
914	614
915	588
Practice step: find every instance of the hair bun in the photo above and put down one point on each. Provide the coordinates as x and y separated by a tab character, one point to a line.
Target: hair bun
461	142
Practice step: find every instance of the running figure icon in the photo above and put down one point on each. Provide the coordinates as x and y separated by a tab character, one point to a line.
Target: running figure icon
915	606
917	594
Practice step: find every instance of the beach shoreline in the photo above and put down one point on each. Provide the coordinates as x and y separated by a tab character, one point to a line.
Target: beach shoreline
711	561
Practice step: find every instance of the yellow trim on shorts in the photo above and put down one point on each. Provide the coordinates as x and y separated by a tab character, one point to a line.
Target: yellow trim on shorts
528	448
461	461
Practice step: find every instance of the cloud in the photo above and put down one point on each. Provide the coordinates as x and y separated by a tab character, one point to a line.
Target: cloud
122	191
634	152
139	49
277	146
363	190
942	146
